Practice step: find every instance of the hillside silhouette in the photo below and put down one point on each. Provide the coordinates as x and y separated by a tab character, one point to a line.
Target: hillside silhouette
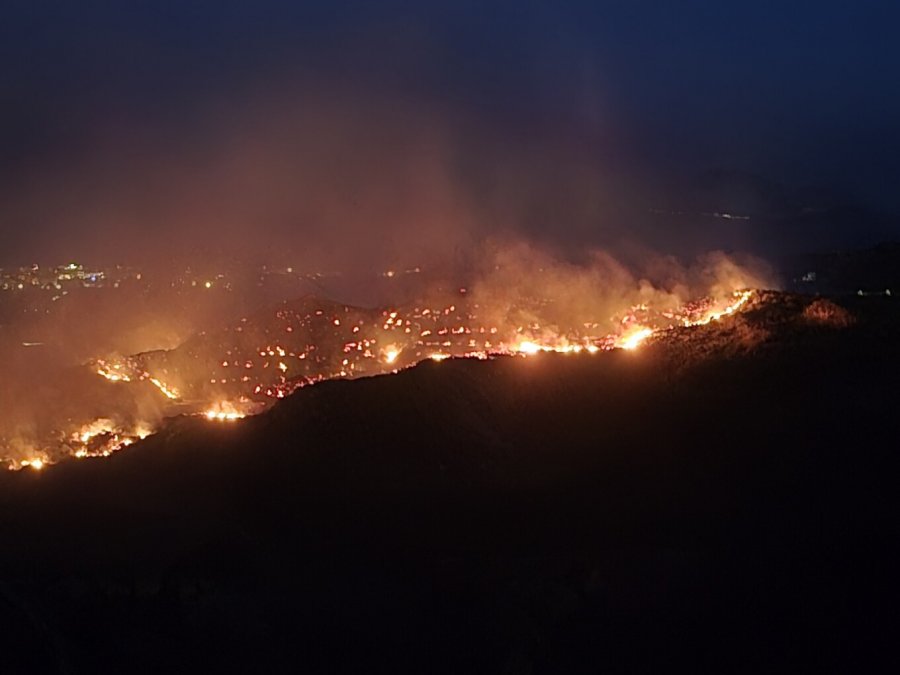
723	498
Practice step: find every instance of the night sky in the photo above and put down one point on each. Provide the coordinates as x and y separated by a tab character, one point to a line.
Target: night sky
132	129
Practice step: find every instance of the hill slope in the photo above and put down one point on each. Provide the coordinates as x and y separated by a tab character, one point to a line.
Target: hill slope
723	498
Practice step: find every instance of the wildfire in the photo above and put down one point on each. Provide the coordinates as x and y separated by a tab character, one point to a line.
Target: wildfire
95	428
35	463
168	392
129	370
633	339
103	437
528	347
634	336
310	344
740	299
223	411
112	373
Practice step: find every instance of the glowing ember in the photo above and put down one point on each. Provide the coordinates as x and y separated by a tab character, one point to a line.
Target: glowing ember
391	354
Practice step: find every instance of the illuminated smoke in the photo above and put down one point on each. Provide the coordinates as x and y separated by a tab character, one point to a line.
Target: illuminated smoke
517	300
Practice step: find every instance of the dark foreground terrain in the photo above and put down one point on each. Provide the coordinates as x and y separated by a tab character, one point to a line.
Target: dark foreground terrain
724	499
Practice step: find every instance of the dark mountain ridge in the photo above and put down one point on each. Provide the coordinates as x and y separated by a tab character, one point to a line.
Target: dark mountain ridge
723	498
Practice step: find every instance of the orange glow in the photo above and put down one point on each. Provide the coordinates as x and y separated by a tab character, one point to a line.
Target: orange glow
633	339
103	437
168	392
223	411
95	428
35	463
112	374
257	374
528	347
740	299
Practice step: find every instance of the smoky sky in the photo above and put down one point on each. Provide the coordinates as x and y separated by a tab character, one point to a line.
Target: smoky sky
346	131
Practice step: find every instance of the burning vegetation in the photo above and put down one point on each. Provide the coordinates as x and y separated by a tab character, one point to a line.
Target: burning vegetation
827	313
525	304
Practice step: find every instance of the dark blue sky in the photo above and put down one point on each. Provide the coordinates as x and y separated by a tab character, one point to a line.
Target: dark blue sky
101	99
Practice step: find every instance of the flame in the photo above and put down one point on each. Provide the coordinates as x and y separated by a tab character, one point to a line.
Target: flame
103	437
557	345
740	298
168	392
95	428
36	462
634	338
142	430
128	371
528	347
111	374
223	411
257	377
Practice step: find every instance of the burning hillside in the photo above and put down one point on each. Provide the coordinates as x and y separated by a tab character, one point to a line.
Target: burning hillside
582	503
235	372
524	304
310	340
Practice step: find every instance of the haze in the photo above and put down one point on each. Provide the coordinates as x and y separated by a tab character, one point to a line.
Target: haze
360	135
